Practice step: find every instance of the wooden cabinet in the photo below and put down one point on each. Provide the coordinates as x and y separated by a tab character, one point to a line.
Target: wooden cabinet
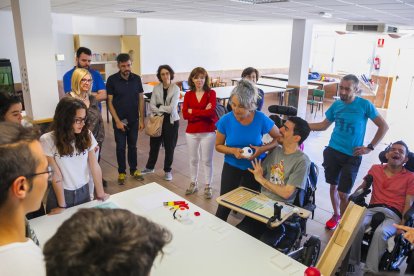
105	48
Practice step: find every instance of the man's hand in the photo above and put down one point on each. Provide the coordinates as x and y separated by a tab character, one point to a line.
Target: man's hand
361	151
56	211
409	232
141	124
103	197
257	170
257	152
120	125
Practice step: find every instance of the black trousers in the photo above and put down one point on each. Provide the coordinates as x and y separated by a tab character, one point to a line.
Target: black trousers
122	138
169	138
232	178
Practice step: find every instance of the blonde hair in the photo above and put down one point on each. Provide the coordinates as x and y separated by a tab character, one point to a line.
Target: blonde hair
77	76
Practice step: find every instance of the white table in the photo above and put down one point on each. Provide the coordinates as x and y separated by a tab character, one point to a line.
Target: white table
205	245
278	83
321	84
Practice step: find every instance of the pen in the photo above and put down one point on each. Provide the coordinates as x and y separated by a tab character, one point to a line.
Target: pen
174	203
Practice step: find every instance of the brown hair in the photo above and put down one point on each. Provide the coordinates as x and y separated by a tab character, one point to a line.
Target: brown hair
63	127
199	71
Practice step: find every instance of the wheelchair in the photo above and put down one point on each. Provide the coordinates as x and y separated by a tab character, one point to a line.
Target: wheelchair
287	237
398	249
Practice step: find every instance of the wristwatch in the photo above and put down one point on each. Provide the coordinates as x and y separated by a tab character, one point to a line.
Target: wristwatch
370	146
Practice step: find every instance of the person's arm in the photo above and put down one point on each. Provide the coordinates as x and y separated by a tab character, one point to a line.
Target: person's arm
222	148
284	191
381	131
99	87
57	186
97	176
100	95
409	232
210	110
153	101
408	203
321	126
174	101
118	122
187	111
274	133
141	111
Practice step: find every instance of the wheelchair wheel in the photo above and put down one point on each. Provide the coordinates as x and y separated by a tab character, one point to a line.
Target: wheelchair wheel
311	253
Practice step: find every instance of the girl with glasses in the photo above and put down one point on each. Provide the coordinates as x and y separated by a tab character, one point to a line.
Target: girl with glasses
70	150
81	89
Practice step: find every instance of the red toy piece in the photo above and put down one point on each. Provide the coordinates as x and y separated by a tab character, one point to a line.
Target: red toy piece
312	271
196	214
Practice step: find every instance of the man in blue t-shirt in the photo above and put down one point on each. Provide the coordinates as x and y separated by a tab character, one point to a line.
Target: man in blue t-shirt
343	155
83	60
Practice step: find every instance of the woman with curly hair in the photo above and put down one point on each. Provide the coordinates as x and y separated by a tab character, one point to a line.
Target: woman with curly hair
69	148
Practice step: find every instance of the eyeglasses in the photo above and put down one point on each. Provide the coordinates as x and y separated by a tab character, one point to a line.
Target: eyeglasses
86	80
80	120
49	171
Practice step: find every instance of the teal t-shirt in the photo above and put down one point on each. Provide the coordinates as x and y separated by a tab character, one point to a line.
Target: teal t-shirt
350	123
240	136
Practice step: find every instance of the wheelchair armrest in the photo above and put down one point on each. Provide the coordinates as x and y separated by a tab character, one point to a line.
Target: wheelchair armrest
359	197
409	215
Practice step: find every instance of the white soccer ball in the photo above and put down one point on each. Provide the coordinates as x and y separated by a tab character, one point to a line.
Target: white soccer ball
247	152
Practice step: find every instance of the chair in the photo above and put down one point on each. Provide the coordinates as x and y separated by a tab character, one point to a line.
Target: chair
317	99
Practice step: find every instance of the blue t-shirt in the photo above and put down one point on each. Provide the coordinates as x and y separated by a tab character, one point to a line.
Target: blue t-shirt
98	83
350	123
240	136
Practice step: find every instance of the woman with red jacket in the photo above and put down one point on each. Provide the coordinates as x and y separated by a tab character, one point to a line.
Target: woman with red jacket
199	109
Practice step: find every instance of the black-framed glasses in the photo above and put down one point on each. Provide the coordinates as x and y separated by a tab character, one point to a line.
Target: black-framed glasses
79	120
49	171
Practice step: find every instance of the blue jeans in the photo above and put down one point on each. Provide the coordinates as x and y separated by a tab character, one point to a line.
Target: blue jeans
130	136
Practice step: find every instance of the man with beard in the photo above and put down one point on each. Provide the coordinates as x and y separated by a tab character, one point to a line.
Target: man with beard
392	195
83	60
343	155
283	172
126	104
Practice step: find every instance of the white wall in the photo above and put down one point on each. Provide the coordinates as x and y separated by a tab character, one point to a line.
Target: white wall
8	48
185	45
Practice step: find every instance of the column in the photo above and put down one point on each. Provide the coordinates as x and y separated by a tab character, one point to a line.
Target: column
299	64
34	39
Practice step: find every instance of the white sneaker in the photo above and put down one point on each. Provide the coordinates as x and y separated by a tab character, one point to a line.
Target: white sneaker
168	176
145	171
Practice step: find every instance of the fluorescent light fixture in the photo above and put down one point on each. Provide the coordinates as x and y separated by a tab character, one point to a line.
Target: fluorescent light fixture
256	2
325	14
60	57
134	11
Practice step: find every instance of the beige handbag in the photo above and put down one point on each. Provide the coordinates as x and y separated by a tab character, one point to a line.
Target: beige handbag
154	126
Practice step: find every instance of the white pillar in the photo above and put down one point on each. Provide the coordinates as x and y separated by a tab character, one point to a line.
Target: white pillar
34	39
299	63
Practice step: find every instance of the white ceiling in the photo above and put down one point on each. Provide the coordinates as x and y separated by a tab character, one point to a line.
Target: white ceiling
394	12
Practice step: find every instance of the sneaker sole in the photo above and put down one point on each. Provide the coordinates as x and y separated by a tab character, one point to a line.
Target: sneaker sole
195	191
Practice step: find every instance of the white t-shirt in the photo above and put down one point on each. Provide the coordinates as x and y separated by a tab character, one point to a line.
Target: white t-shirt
21	258
74	167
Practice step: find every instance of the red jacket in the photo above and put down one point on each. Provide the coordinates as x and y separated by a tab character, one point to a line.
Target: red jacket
200	120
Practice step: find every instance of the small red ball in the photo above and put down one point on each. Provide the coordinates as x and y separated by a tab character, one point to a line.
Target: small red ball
312	271
196	214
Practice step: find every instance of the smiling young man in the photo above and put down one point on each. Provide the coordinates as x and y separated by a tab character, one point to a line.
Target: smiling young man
342	157
392	195
23	181
283	172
